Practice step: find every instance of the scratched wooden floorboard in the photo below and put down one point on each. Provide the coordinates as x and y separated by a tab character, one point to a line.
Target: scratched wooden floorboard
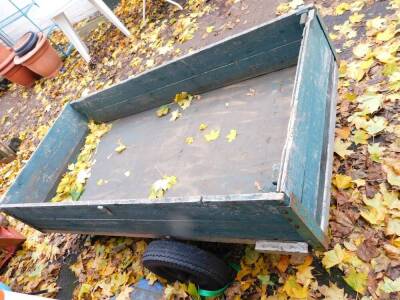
156	146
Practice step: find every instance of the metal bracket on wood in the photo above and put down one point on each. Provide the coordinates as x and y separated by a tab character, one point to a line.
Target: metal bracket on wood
105	209
303	18
287	248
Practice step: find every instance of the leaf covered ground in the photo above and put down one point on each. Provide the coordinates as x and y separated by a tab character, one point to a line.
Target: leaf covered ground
364	256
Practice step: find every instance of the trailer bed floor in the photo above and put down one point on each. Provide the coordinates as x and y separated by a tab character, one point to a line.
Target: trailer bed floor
157	147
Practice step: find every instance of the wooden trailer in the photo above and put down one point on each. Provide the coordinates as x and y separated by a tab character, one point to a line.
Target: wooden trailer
275	84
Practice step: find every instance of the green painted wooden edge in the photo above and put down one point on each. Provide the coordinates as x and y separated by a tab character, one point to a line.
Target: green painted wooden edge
304	224
39	178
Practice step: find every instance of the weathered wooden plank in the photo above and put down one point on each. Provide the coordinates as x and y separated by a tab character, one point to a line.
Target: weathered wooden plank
39	178
262	63
252	217
325	193
315	96
268	47
305	148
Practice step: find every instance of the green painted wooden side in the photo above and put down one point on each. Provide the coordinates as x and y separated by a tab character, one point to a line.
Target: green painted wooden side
39	178
269	47
304	175
247	217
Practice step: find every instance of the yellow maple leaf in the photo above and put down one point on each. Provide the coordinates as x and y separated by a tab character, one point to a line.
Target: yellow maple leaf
162	111
390	198
370	103
357	281
360	137
175	115
356	18
393	227
355	71
390	286
189	140
333	292
376	125
387	34
341	148
159	187
294	289
212	135
210	29
341	8
232	135
342	181
362	50
393	177
375	211
333	257
375	152
202	126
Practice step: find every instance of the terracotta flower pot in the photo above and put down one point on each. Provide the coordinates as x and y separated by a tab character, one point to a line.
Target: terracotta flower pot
4	52
25	43
42	59
17	73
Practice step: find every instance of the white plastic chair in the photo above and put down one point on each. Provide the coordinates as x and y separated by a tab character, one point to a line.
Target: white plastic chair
59	17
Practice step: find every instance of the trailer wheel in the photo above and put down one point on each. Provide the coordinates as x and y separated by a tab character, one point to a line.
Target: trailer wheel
177	261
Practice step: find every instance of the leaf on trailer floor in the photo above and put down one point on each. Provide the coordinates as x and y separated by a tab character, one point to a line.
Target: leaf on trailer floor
232	135
120	148
175	115
212	135
162	111
159	187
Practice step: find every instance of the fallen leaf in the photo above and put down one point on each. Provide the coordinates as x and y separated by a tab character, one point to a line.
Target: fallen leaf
367	250
162	111
202	126
210	29
160	186
393	227
357	281
294	289
212	135
175	115
360	137
332	292
342	181
125	294
189	140
283	263
375	152
333	257
390	286
341	8
341	148
232	135
376	125
120	148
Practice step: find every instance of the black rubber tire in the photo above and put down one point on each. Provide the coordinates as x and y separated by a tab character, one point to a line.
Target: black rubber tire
28	45
177	261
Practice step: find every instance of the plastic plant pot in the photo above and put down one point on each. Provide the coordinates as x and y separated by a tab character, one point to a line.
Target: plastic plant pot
4	52
26	43
17	73
42	59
